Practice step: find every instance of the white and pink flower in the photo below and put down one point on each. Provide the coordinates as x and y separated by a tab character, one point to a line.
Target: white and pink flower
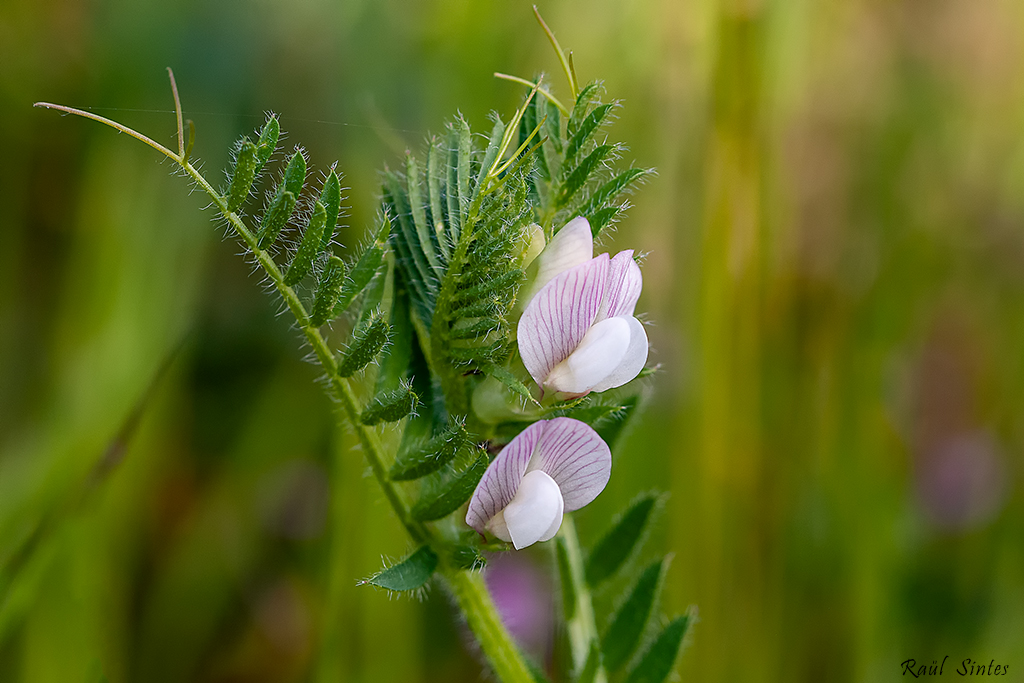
578	333
551	467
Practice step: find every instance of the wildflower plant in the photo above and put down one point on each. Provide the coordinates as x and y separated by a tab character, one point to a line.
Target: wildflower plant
490	356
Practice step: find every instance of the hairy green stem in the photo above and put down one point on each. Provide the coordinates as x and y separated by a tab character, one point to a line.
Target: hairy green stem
474	600
467	586
340	387
581	626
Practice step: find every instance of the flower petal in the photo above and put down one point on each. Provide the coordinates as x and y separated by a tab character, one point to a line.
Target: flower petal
557	319
633	359
501	479
598	355
571	246
535	512
624	284
579	461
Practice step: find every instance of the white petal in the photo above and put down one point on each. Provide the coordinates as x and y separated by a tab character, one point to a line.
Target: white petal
498	527
624	284
570	247
598	355
576	457
501	479
556	320
633	359
535	510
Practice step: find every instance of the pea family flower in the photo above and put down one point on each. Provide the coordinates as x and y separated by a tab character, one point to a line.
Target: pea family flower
578	333
551	467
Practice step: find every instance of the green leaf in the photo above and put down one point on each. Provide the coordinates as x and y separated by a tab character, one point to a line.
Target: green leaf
362	272
421	277
268	141
588	674
490	155
308	247
434	155
600	219
367	342
244	175
447	499
424	234
330	197
295	174
276	218
505	281
511	381
623	635
327	291
579	175
624	537
580	108
432	456
612	427
656	664
587	129
612	189
389	406
565	581
409	574
465	154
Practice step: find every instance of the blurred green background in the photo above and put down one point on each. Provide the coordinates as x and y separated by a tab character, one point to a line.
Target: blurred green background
835	279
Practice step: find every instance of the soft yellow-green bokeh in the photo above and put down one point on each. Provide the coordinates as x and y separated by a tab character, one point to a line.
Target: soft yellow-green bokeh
835	281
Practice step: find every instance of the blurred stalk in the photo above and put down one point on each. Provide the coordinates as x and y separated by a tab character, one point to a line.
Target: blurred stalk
727	511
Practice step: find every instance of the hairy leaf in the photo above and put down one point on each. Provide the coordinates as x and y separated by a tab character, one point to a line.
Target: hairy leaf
581	173
389	406
362	272
267	143
367	342
624	537
295	174
327	291
276	218
447	499
432	456
587	129
308	247
330	197
623	635
244	175
656	664
409	574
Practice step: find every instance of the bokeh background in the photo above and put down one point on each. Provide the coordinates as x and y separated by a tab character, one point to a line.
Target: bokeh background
835	282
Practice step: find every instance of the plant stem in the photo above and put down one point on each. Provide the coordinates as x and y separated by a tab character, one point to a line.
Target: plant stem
467	586
340	387
474	600
581	626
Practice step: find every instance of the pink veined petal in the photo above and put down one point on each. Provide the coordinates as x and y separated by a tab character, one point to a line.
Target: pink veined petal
561	314
501	480
600	352
535	512
579	461
624	284
632	361
571	246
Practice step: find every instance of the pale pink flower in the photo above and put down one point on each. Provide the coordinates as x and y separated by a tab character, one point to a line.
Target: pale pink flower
578	333
551	467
